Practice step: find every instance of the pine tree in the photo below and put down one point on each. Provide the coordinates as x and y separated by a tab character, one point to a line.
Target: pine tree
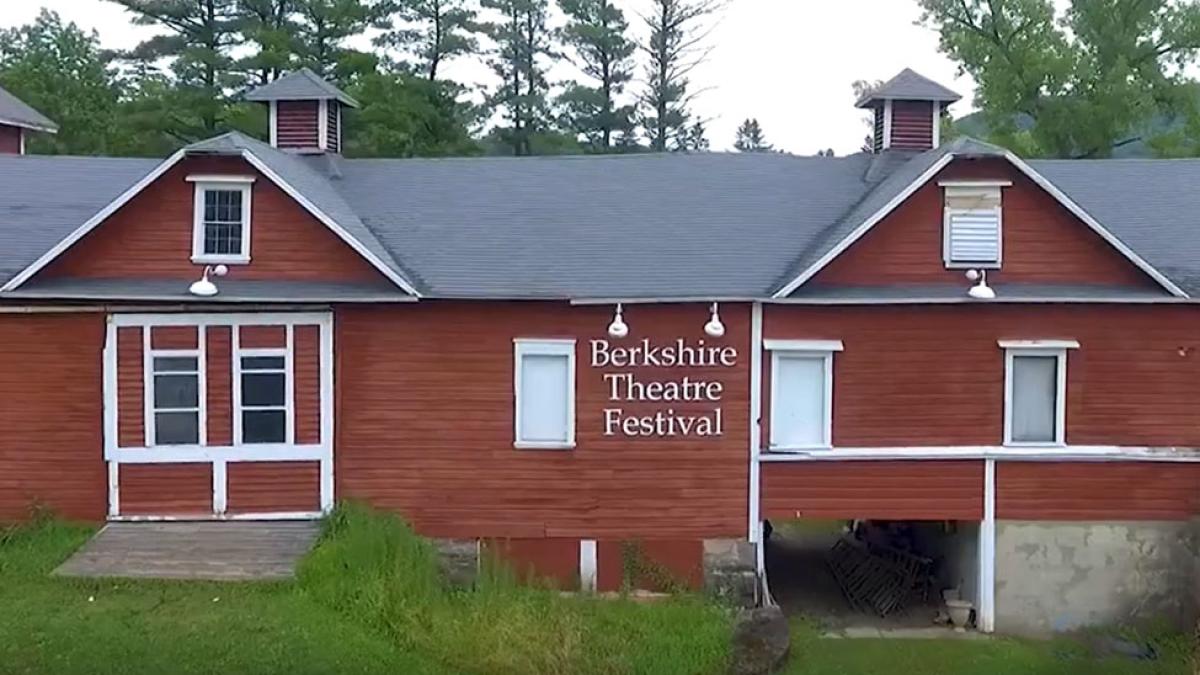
200	34
596	31
674	47
432	31
323	30
523	43
750	138
270	26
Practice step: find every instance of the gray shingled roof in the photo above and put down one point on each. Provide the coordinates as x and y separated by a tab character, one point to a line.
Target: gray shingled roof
300	85
909	85
642	226
15	112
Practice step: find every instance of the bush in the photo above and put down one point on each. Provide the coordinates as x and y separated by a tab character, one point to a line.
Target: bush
374	568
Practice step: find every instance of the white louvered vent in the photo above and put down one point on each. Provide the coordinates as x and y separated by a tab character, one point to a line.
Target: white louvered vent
972	226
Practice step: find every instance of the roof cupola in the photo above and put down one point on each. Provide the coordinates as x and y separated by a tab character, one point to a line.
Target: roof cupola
306	112
907	112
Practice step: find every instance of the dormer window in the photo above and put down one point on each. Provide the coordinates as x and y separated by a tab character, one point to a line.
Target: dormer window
221	221
972	224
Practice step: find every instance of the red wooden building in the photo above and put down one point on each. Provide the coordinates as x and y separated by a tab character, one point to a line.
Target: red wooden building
557	356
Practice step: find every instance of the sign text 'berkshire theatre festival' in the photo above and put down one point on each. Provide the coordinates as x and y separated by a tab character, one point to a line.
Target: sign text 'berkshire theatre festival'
624	387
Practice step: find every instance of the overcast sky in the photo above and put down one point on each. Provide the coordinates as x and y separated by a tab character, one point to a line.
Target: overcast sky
788	63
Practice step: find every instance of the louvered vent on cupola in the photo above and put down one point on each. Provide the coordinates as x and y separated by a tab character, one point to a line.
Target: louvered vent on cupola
306	112
907	112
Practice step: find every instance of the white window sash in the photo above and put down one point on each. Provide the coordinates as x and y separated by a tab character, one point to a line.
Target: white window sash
149	383
813	349
1060	395
289	385
523	347
203	185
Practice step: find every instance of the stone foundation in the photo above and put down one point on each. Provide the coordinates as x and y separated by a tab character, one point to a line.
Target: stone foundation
730	571
458	560
1058	576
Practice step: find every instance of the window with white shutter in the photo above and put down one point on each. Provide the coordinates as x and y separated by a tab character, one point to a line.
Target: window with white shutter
972	224
544	388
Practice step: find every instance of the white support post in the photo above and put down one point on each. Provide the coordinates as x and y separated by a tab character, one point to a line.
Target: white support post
323	125
326	330
274	115
937	124
587	565
220	480
114	488
756	346
986	605
887	124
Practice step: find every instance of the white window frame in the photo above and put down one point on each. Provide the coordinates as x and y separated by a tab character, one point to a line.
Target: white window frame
288	406
150	410
205	184
947	212
1046	348
823	349
543	347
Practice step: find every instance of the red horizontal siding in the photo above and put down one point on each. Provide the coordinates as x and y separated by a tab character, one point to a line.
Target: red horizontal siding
166	489
266	487
10	140
424	425
152	234
1097	491
220	386
262	337
131	385
912	125
51	447
1042	241
296	124
877	490
307	366
554	562
650	565
934	375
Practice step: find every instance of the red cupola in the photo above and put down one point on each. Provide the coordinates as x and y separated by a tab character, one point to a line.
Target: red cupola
908	111
306	112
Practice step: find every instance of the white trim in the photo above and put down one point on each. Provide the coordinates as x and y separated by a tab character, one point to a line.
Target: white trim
273	113
980	183
202	187
936	111
353	242
1045	184
1043	453
220	483
827	407
986	602
110	388
327	393
1095	225
863	228
1060	394
755	489
543	347
148	356
951	264
289	398
323	124
31	126
257	452
772	344
114	489
285	515
239	319
289	386
1038	344
587	565
21	140
92	222
147	390
887	124
219	178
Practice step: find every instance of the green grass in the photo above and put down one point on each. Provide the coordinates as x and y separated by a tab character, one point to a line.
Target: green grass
369	600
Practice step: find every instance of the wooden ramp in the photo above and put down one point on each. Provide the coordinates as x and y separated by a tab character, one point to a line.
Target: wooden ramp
220	551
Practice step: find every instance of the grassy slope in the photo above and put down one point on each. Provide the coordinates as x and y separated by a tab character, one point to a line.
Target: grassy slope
368	601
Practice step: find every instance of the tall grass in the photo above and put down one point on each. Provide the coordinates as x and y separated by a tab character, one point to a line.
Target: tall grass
372	567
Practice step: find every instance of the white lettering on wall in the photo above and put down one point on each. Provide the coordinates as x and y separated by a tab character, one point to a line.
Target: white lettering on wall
631	388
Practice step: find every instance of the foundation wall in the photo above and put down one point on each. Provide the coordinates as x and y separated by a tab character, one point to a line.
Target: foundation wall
1059	576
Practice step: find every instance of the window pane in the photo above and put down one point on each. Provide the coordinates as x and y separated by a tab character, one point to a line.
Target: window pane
263	426
543	402
800	409
262	363
176	428
259	389
176	391
222	222
1034	394
164	364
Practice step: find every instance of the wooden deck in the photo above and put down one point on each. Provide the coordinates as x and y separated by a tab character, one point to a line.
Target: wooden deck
220	551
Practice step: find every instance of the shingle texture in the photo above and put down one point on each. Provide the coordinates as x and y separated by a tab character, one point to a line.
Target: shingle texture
672	226
300	85
15	112
910	85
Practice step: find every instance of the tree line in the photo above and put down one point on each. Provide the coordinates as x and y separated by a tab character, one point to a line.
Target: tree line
629	94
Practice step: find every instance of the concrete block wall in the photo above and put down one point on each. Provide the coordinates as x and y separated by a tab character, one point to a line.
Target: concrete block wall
1059	576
